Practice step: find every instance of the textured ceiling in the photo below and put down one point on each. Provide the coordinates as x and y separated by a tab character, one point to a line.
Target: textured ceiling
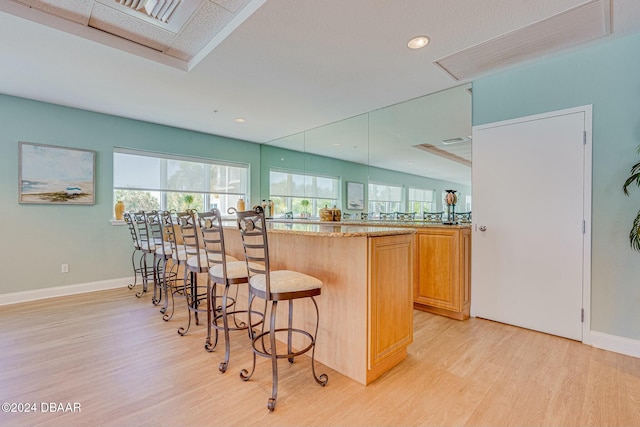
286	66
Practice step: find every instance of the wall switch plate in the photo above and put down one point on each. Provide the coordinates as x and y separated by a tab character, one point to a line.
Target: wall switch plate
64	268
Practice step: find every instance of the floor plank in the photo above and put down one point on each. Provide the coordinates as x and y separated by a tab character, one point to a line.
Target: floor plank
114	355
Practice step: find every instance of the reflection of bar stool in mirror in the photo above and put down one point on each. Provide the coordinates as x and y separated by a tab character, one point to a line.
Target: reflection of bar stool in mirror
346	215
386	216
275	286
405	216
364	216
433	216
463	216
288	215
228	272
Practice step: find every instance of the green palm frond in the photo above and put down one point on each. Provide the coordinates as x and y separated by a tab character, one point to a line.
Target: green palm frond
634	178
634	234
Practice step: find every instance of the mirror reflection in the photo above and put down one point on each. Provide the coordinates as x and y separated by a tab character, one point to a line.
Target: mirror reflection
403	156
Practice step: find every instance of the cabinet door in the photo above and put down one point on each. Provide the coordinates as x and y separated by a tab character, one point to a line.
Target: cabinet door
437	281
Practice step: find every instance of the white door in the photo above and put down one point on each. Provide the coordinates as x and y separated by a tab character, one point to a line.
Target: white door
531	214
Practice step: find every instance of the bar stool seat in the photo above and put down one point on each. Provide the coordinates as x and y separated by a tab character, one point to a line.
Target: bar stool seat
284	282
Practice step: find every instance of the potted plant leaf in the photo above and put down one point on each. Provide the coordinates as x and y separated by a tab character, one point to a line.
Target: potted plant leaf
634	234
305	208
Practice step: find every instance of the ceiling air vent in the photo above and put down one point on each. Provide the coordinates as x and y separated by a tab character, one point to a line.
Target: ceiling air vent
463	156
157	9
455	140
566	29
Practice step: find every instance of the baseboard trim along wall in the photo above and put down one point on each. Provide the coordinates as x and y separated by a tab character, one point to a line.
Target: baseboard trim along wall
59	291
615	343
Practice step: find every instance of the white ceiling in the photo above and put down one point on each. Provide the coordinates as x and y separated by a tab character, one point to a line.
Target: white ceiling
285	66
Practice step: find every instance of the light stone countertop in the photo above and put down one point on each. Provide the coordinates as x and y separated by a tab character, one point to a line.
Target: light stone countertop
372	223
329	229
335	229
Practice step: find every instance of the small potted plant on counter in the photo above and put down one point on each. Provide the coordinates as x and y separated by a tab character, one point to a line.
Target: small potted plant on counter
305	208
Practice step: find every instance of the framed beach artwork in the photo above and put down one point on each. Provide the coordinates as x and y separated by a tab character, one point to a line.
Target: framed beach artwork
48	174
355	195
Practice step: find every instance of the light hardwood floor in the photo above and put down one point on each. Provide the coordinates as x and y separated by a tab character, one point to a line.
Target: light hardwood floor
114	355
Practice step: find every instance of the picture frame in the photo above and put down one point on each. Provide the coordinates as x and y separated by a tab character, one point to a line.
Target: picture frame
355	195
50	174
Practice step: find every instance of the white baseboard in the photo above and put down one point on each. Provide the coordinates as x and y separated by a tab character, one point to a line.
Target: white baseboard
615	343
59	291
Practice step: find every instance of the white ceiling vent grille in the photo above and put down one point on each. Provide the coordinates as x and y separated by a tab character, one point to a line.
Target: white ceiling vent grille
462	154
157	9
569	28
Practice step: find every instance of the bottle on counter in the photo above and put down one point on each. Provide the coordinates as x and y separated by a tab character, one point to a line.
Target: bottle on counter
271	208
240	206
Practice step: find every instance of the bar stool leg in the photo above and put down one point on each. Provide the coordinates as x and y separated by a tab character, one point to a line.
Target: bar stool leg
271	404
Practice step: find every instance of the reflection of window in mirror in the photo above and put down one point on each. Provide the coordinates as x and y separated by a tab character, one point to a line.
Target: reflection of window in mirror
302	194
384	198
421	200
467	203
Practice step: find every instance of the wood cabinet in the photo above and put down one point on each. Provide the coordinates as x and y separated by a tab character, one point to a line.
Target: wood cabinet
442	278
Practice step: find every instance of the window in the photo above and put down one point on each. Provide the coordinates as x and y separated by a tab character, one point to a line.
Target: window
421	201
147	181
288	191
384	198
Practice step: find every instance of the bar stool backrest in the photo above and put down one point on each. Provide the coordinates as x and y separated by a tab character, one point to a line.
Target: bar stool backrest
168	222
432	216
210	224
156	229
190	239
144	236
128	219
253	230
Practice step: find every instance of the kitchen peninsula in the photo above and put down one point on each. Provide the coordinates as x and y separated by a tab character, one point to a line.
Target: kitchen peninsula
366	320
442	266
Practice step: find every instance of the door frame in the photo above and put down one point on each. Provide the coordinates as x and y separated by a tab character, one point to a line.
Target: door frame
587	110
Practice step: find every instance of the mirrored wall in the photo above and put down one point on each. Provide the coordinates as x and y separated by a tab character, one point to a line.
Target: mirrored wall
423	143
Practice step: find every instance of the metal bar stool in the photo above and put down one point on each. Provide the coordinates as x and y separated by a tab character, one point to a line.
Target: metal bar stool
137	225
227	271
273	287
178	259
163	277
196	263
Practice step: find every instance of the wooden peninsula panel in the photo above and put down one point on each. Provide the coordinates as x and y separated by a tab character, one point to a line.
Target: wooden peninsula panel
367	292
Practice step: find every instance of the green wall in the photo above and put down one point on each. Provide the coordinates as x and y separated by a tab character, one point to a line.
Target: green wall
606	75
39	238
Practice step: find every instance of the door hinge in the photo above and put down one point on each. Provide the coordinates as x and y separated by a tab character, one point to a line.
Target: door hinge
584	227
582	315
584	137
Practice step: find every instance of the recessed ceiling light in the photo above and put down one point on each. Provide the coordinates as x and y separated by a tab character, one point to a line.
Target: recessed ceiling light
336	144
240	120
418	42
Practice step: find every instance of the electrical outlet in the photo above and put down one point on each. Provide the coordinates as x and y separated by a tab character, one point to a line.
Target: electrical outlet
64	268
